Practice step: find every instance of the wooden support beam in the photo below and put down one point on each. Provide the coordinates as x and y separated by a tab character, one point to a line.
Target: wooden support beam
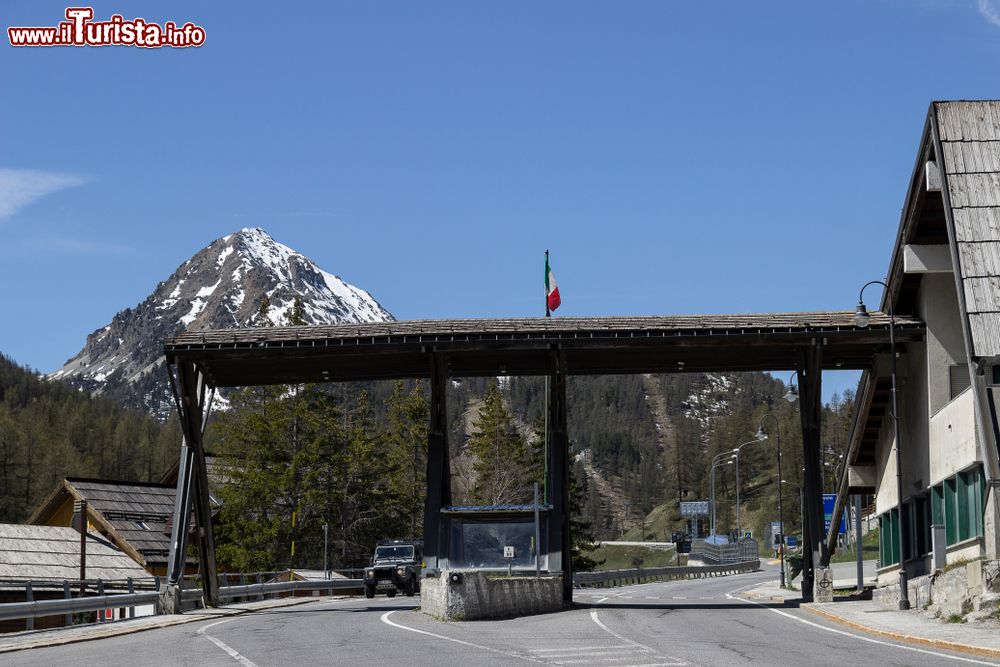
192	394
438	469
810	410
559	532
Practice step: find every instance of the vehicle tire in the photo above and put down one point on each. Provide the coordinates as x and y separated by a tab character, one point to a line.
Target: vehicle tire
369	591
411	587
391	593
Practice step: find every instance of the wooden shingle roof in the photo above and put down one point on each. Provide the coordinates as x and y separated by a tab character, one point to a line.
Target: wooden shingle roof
970	141
53	552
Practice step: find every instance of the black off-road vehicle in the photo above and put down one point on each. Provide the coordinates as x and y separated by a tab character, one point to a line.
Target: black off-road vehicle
395	567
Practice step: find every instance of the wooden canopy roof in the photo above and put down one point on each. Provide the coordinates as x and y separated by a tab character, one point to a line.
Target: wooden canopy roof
489	347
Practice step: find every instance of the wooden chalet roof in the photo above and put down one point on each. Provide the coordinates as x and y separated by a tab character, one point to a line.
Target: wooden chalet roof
133	514
520	346
969	132
53	553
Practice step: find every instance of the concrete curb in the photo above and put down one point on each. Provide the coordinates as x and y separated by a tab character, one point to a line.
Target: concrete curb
119	628
971	649
750	595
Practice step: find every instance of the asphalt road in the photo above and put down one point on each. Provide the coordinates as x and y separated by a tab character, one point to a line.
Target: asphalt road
698	622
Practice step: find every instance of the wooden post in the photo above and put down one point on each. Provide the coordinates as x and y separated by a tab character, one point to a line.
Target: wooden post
810	410
83	545
438	467
192	395
68	618
559	533
29	596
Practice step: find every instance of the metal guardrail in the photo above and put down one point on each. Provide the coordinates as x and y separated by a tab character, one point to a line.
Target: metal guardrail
607	578
251	590
38	608
32	609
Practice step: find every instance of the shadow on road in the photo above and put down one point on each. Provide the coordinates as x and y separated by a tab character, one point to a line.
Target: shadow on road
689	606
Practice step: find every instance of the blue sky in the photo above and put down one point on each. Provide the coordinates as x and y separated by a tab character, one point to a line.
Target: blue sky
674	157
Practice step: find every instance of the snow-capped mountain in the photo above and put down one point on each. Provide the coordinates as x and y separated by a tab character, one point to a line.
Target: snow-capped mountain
222	286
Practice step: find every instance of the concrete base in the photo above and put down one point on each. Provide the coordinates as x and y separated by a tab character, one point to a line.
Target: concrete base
823	591
466	595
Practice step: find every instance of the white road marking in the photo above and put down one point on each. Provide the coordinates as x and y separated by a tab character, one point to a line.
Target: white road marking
634	644
860	637
233	653
510	654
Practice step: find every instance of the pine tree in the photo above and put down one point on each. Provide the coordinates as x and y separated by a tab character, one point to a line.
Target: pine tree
501	455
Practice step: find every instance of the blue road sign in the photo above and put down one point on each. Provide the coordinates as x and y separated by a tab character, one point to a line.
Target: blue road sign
829	500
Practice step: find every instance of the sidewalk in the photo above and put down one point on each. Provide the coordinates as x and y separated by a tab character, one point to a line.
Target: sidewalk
18	641
908	627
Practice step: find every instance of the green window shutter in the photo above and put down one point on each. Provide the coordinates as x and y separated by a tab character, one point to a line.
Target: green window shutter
971	479
964	511
950	511
894	535
937	504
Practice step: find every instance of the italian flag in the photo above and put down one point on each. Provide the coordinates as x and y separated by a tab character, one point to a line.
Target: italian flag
552	299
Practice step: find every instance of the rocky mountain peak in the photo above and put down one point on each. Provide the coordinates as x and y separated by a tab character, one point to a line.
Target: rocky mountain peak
221	286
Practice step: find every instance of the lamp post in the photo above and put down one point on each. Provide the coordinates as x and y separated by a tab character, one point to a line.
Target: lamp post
326	542
762	435
862	320
739	528
716	462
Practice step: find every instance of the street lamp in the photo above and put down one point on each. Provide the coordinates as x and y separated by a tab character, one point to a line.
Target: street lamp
717	462
762	435
739	528
862	319
792	394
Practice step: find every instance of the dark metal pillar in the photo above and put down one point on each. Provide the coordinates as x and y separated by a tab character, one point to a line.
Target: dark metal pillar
190	392
438	468
811	405
559	532
182	508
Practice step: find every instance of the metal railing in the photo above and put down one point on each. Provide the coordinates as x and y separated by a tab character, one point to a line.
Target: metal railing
124	595
607	578
720	554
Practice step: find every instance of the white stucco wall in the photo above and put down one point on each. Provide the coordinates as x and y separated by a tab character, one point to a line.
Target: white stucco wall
953	437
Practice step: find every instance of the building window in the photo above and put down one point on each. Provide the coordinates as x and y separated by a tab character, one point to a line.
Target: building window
889	538
996	374
958	377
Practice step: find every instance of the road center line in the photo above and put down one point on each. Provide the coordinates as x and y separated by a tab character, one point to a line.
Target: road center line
509	654
870	640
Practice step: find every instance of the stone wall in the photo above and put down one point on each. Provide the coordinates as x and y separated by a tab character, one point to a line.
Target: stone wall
478	596
959	590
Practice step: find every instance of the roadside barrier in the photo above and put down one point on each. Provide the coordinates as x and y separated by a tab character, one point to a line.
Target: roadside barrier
609	578
124	595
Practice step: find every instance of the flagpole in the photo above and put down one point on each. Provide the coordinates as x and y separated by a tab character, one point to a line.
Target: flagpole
548	313
545	449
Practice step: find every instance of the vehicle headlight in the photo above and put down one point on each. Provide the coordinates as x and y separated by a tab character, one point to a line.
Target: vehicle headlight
401	571
369	573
